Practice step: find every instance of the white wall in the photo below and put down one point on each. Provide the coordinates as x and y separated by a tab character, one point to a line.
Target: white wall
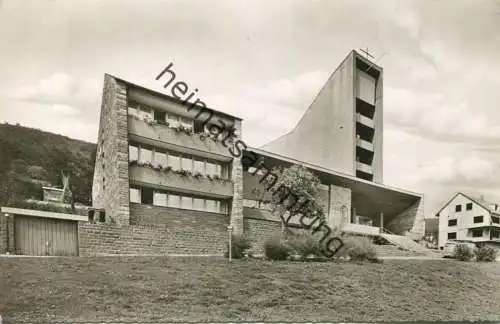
465	220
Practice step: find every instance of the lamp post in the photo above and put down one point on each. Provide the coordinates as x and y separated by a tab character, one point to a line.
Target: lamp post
230	232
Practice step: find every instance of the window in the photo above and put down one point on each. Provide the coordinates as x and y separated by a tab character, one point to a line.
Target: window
452	222
160	158
132	111
495	234
135	195
478	219
225	171
495	220
211	169
133	153
102	216
458	208
477	233
173	120
145	113
160	199
199	126
452	236
186	122
174	162
145	156
199	166
173	201
186	202
198	204
468	206
218	170
159	115
187	164
147	196
211	206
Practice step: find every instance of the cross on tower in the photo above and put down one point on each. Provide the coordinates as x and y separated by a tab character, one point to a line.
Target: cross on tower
368	55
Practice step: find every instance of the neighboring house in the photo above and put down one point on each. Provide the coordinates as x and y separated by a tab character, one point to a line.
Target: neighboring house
468	218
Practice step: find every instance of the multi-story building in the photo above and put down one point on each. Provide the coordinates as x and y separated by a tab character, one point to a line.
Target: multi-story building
169	186
466	218
342	129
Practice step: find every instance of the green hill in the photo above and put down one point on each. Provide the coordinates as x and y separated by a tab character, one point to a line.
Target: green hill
31	158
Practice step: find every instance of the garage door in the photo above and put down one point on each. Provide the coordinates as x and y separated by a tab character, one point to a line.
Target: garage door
45	236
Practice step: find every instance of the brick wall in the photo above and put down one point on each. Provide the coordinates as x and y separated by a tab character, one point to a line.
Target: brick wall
101	239
176	218
110	188
258	231
157	230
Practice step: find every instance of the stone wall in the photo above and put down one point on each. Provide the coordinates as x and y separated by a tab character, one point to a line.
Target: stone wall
339	207
237	202
110	188
411	220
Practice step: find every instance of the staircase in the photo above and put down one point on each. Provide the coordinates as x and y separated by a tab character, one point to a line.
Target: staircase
406	243
394	251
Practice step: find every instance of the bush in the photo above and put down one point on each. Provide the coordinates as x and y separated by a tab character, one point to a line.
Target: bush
463	252
239	244
360	249
304	244
486	254
276	249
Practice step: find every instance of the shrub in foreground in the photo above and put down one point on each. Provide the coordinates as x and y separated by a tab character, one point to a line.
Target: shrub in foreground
486	254
276	249
239	245
304	244
464	252
360	249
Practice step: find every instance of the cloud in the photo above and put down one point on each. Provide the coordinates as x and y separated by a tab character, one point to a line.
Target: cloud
57	89
468	171
270	110
435	116
66	110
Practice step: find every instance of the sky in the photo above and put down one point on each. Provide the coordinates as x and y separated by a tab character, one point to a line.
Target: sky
264	61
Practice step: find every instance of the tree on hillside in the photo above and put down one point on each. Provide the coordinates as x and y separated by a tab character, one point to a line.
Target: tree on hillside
296	193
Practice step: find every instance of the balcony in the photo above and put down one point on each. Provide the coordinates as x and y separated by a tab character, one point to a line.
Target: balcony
364	167
171	180
173	139
364	144
368	122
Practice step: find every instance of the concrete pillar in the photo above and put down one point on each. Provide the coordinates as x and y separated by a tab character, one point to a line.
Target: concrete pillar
355	217
381	222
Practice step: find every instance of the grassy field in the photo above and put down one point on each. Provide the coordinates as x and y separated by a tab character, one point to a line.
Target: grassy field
210	289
